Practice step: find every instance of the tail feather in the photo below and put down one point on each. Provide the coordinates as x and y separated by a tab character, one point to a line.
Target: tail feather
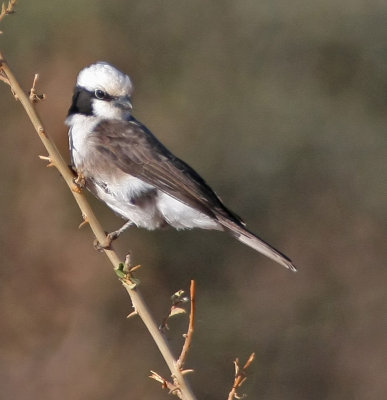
253	241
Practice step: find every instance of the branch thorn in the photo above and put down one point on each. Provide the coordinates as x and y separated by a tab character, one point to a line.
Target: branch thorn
166	384
83	223
187	371
48	159
34	96
132	314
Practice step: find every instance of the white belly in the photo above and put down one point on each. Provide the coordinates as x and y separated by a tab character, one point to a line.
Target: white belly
130	199
128	196
181	216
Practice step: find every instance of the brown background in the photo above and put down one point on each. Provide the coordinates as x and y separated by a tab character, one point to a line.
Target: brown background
281	106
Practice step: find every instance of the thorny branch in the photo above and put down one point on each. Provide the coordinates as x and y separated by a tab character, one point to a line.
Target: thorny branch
7	10
123	271
240	377
191	328
176	308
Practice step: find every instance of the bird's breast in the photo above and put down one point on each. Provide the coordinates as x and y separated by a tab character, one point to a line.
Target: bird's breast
80	128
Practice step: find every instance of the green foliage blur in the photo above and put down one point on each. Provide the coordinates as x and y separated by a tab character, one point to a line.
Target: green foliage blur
281	106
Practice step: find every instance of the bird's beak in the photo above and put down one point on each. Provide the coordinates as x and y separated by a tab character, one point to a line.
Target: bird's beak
124	102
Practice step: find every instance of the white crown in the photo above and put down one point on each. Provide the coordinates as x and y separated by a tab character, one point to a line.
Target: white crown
104	76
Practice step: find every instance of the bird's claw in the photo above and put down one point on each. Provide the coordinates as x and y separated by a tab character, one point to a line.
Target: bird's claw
79	183
110	237
101	247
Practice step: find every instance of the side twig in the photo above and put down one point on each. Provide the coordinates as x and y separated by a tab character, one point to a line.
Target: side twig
176	309
191	328
6	10
240	377
35	97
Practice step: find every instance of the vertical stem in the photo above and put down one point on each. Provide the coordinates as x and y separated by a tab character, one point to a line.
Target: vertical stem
134	293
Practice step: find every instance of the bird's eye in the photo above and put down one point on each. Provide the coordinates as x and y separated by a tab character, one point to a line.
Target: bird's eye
99	94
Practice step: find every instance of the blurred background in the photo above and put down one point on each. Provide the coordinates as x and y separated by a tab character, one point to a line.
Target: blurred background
281	106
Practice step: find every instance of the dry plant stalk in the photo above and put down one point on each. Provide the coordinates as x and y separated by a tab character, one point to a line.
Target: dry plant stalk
191	328
6	10
173	387
240	377
121	268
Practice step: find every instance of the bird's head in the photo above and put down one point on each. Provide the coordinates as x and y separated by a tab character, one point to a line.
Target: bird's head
102	91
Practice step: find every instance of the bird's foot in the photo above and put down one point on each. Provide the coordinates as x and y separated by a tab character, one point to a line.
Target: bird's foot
79	183
107	244
110	237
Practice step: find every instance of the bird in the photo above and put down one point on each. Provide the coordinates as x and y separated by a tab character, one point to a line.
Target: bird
123	164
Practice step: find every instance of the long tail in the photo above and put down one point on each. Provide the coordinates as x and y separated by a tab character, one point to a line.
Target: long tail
253	241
